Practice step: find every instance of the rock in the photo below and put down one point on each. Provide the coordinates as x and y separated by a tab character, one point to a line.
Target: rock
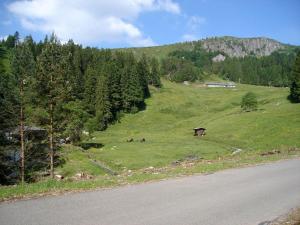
175	163
241	47
78	175
219	58
82	176
85	132
238	150
59	177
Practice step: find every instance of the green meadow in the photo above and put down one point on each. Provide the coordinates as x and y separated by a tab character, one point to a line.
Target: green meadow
167	126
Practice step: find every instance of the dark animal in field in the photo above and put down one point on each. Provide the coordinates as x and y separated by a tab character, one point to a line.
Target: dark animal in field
143	140
130	140
199	131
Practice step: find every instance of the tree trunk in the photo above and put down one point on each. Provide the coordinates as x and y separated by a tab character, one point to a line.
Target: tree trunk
51	133
22	149
51	142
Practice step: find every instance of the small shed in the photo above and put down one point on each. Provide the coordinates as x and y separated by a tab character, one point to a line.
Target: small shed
199	131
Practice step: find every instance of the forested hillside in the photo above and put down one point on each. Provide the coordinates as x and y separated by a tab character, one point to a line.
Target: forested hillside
66	90
259	61
53	94
272	70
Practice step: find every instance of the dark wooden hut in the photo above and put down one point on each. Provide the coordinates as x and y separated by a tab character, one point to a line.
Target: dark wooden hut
30	133
199	131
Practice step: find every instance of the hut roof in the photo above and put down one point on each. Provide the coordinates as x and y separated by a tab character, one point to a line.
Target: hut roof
199	128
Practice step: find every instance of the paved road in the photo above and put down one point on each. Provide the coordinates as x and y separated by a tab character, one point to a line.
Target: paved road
234	197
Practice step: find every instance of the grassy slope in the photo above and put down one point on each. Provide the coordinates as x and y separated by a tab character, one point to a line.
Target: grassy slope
167	125
176	109
159	51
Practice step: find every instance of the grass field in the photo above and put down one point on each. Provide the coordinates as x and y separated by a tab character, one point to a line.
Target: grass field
171	114
167	127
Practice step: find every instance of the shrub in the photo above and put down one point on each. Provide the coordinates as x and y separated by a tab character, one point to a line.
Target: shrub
249	102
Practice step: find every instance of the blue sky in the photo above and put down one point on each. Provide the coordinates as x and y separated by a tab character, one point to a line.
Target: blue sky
126	23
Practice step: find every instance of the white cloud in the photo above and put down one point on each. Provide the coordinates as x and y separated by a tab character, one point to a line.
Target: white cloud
195	22
90	21
189	37
169	6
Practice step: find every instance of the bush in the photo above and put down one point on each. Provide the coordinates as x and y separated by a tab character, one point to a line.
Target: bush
249	102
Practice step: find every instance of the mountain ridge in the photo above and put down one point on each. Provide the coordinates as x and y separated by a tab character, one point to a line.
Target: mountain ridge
229	45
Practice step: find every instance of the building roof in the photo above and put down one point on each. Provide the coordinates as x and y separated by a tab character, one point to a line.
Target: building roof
199	128
220	83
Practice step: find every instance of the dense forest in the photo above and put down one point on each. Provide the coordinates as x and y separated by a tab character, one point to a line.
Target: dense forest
272	70
52	93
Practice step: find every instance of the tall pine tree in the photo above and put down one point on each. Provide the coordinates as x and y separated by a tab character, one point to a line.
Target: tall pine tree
295	84
154	78
52	88
132	93
23	66
102	95
144	73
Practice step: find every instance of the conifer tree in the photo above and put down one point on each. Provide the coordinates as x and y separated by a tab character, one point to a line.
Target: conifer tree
23	69
132	94
295	84
89	88
144	73
154	78
103	104
51	88
74	73
114	76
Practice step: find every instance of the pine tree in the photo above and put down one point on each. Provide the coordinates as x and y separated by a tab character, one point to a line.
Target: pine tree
23	68
132	94
103	104
144	73
154	78
73	70
114	76
295	84
9	111
52	88
89	88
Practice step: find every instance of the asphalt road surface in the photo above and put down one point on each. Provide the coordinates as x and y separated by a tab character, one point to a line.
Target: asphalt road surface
235	197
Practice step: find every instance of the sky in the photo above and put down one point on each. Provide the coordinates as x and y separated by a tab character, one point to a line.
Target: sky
136	23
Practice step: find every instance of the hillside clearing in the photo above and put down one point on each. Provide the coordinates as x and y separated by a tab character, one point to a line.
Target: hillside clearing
172	113
233	139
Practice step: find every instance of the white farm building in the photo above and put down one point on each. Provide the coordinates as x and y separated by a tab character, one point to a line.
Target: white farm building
221	84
